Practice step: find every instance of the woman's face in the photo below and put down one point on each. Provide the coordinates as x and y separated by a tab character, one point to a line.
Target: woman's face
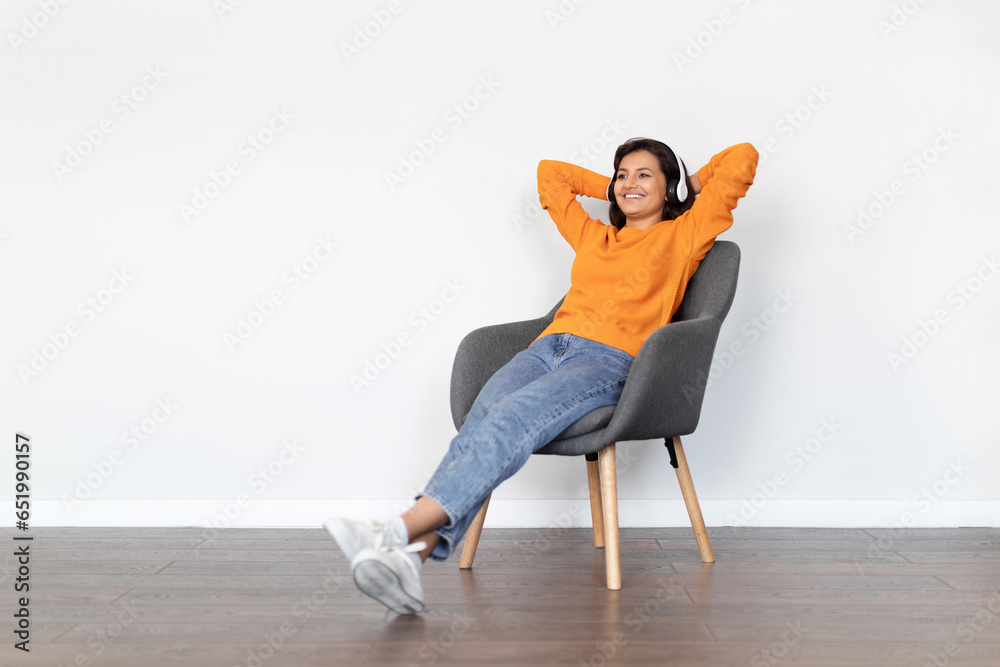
640	186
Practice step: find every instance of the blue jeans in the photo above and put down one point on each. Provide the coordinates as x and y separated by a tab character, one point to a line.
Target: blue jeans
537	395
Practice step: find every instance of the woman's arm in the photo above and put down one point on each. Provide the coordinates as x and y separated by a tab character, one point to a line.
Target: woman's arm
559	183
695	183
719	184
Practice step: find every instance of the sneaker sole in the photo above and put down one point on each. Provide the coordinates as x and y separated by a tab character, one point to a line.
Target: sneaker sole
379	582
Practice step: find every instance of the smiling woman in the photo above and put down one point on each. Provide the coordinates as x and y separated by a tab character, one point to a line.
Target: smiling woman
627	280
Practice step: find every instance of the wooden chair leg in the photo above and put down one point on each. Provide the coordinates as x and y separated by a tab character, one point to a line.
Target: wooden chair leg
596	507
691	501
609	497
472	537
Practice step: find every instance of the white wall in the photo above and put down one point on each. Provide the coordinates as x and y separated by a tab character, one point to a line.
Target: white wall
839	98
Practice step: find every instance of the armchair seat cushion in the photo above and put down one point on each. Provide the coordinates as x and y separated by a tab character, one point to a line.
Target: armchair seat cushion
594	420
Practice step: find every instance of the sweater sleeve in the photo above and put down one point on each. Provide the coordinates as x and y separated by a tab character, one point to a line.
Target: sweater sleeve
724	180
559	183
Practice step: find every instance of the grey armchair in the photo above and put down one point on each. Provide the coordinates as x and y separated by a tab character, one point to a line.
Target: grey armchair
662	398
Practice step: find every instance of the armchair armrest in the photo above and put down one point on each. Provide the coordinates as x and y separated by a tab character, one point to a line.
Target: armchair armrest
666	384
482	353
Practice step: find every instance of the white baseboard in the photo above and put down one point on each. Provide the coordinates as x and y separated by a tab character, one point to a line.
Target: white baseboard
516	513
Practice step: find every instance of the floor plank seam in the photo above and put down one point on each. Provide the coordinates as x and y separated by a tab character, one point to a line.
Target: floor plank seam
53	640
709	631
368	652
111	602
171	563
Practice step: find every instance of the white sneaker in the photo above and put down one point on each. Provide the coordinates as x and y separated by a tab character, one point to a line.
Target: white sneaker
353	536
389	576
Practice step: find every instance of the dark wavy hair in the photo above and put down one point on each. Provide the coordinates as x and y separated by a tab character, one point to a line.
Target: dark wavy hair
670	169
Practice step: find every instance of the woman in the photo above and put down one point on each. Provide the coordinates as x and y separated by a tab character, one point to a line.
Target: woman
628	279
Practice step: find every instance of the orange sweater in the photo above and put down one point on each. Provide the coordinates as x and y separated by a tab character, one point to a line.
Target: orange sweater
628	282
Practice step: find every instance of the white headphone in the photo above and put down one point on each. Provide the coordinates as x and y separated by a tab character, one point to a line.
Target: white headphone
682	185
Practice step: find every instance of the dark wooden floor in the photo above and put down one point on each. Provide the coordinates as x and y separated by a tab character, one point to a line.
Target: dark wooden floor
152	596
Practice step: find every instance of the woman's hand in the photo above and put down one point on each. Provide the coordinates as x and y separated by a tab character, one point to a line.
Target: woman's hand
695	183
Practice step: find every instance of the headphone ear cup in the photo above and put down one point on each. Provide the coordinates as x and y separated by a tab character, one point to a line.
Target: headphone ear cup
682	185
611	190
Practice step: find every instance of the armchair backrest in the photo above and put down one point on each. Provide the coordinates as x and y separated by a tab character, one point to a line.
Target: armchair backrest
711	290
